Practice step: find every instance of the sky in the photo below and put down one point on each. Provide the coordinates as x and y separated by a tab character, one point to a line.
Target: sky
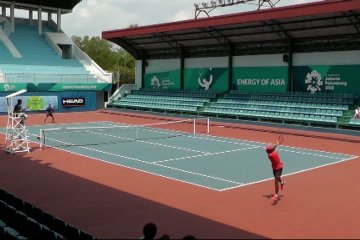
92	17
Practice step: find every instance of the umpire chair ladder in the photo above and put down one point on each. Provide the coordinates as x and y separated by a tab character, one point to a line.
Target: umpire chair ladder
16	140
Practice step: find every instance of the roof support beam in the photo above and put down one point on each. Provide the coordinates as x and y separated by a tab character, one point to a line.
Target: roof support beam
354	19
168	39
219	36
128	47
278	29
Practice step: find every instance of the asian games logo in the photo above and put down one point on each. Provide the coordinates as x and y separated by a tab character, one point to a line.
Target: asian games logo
203	82
155	82
313	81
6	87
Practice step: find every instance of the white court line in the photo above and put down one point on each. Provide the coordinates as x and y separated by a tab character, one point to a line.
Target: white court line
62	124
209	138
150	163
290	174
198	174
234	141
217	139
207	154
133	168
149	142
221	139
190	135
237	143
312	154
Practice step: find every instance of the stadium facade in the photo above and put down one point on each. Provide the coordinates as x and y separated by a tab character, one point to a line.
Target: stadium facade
306	49
245	50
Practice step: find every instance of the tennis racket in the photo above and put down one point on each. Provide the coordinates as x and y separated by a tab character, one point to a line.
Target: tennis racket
280	139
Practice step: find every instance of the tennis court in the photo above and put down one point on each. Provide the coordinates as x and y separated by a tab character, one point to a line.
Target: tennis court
215	163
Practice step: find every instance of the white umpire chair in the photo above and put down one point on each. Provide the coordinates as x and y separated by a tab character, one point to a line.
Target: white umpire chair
16	135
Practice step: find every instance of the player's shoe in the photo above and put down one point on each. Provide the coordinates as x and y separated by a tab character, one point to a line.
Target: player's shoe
282	185
275	198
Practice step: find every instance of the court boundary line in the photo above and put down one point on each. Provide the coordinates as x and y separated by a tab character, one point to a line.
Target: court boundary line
247	142
204	175
199	185
232	141
149	163
293	173
216	178
209	137
150	142
209	154
263	143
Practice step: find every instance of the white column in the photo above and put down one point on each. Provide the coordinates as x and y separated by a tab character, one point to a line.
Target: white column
12	17
31	17
58	20
40	20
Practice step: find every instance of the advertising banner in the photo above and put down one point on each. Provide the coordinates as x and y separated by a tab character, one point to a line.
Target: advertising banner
73	102
162	80
327	78
54	87
260	79
206	79
31	103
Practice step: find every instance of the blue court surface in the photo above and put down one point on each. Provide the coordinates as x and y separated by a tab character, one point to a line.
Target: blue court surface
212	162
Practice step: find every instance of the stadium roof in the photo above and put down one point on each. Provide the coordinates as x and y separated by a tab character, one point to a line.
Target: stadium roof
63	4
318	26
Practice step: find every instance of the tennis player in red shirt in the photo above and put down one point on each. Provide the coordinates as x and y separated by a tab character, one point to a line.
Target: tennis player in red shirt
277	166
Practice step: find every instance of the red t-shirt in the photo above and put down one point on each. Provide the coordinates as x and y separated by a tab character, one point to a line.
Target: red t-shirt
275	160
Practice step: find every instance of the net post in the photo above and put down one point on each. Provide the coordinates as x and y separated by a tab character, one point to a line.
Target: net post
63	136
40	139
208	125
194	126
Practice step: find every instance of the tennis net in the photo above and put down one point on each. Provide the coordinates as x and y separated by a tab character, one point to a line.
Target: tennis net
113	133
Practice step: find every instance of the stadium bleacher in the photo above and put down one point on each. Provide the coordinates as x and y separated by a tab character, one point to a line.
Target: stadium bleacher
166	100
305	108
39	62
289	106
21	220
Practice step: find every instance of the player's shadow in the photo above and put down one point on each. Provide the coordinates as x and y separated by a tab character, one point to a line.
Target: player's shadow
270	195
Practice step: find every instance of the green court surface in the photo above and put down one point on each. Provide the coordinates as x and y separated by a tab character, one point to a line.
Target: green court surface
207	161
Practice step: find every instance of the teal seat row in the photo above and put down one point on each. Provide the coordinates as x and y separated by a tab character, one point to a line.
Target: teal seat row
169	107
157	101
285	109
293	100
276	115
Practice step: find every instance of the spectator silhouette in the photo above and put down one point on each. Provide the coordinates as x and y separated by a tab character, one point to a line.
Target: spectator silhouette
189	237
149	231
164	237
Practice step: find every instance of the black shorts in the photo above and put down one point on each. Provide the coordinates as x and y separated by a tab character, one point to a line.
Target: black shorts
277	173
49	115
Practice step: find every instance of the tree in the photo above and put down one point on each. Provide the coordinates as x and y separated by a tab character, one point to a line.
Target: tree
117	61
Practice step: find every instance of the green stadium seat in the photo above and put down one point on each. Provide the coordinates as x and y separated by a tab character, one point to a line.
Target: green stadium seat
11	233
